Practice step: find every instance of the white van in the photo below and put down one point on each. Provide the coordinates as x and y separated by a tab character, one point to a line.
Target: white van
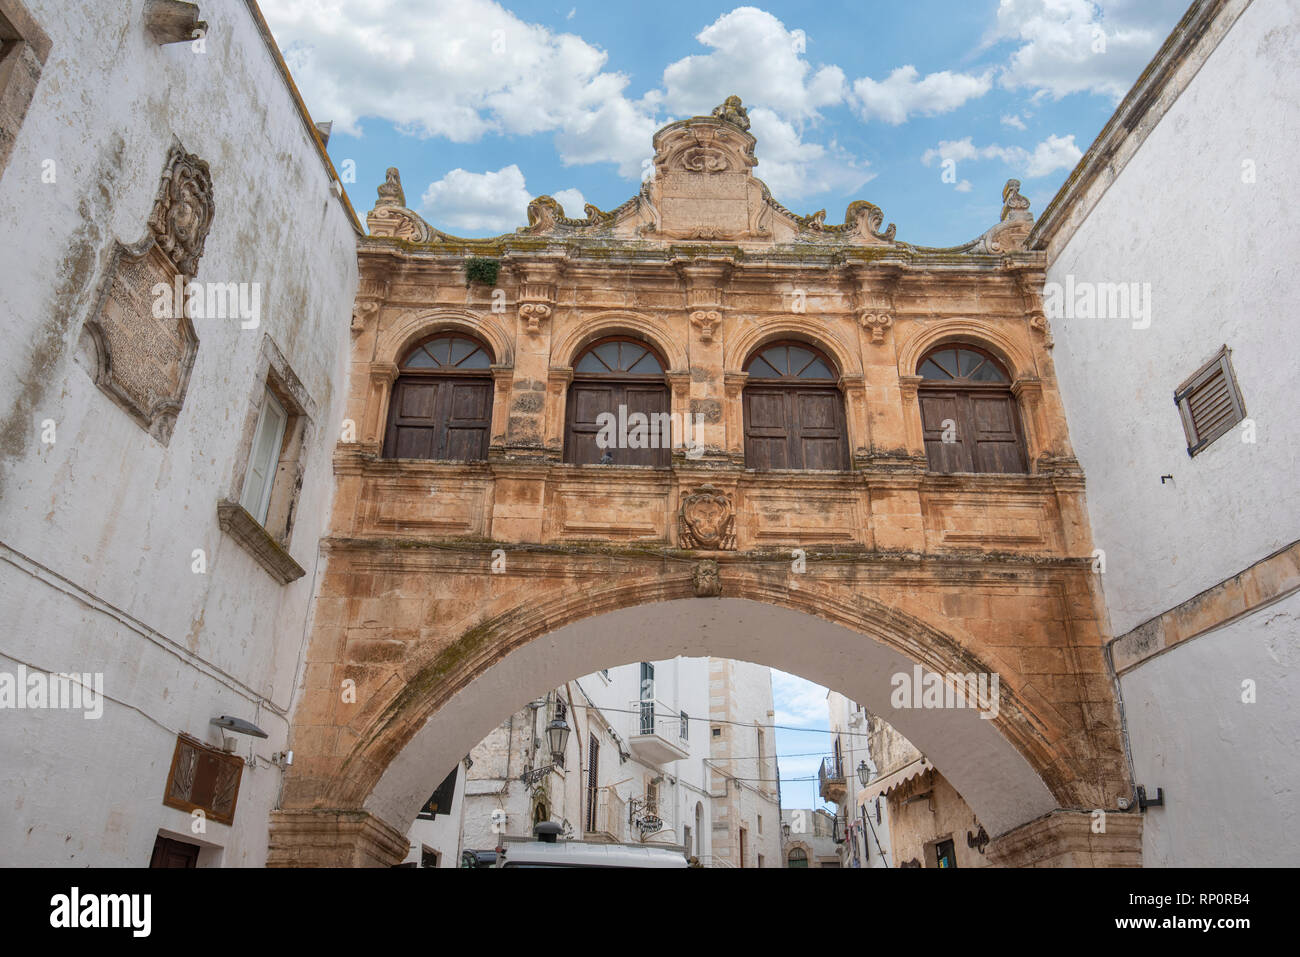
581	854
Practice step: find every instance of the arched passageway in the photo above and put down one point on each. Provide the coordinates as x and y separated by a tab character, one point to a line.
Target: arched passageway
426	693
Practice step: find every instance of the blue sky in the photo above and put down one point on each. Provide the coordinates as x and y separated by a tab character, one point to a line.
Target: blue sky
483	105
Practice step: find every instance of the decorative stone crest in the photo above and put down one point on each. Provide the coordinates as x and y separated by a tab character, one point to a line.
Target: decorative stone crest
183	210
877	322
706	520
142	340
706	320
707	580
390	217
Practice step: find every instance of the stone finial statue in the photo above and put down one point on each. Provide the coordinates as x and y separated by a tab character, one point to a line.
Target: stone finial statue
1014	206
732	112
390	190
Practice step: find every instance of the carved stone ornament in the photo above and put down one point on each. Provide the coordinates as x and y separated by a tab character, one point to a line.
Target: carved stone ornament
706	520
534	314
732	111
139	335
183	209
361	313
877	322
1038	322
707	580
706	320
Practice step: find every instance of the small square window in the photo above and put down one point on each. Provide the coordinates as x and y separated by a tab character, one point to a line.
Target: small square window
717	732
1210	402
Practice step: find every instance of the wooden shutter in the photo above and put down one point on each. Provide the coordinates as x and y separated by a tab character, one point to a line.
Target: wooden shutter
589	399
440	418
767	429
936	408
794	427
995	432
819	420
593	779
1209	402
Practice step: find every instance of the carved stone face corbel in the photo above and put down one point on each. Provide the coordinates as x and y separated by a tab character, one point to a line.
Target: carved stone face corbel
534	314
361	314
706	320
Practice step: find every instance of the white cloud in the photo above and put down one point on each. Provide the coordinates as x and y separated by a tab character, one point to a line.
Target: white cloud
1071	46
902	94
479	203
571	201
458	69
1013	120
798	702
754	55
964	186
794	169
1053	153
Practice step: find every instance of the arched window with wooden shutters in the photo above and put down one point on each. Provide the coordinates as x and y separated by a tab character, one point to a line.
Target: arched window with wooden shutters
794	412
441	407
609	375
968	414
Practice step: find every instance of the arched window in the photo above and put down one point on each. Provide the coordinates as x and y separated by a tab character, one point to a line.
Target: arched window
798	857
442	401
618	406
968	413
794	413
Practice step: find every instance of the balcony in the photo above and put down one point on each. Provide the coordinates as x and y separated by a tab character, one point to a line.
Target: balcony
657	734
830	780
608	820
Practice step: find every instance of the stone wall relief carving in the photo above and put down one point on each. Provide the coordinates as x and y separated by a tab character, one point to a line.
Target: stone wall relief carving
706	520
143	339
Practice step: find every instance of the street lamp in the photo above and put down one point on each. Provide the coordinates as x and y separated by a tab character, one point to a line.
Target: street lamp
557	736
864	772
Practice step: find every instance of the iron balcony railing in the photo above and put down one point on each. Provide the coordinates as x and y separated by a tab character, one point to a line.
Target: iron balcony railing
832	769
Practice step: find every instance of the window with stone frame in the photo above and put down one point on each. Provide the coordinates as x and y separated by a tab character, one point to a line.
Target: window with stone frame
24	48
441	405
969	416
619	377
260	511
793	409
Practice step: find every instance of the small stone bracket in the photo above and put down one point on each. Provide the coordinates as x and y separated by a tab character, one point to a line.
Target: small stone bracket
173	21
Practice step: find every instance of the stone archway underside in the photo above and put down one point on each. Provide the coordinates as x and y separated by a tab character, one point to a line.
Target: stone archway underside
440	647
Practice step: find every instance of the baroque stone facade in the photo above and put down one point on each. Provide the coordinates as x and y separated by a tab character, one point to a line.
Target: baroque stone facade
962	572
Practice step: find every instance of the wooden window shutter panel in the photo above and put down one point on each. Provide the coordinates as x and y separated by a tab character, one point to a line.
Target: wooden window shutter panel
1209	402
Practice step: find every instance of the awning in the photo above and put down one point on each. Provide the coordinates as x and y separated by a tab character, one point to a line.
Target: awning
890	781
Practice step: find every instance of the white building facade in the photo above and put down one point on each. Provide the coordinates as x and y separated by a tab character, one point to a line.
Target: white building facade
165	477
1188	199
641	766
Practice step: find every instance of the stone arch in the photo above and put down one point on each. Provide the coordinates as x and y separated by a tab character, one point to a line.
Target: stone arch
792	844
1006	768
751	336
394	341
976	332
579	335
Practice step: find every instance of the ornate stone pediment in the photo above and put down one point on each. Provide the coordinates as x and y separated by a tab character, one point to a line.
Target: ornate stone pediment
706	520
704	190
140	334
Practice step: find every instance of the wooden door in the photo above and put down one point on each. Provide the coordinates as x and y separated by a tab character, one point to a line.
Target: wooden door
986	433
588	400
170	853
440	418
795	427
